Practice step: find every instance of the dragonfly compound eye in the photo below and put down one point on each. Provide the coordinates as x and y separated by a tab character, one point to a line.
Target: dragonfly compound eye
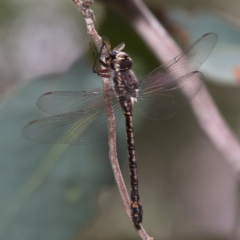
122	62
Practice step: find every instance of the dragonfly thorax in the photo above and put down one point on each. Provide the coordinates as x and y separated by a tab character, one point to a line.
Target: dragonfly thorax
125	82
120	61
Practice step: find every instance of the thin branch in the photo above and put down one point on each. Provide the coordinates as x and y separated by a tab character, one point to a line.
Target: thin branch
164	48
88	14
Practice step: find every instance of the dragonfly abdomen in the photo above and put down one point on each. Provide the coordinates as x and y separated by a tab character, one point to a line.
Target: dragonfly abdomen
136	207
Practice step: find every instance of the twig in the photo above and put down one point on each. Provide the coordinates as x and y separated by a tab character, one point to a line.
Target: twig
164	48
88	14
203	106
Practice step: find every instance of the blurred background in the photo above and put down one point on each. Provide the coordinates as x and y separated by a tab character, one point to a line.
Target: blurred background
65	192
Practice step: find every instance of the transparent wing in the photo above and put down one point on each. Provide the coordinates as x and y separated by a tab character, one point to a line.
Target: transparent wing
119	47
163	103
71	101
188	61
71	128
107	44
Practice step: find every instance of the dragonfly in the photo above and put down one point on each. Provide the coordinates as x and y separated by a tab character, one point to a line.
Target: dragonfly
79	117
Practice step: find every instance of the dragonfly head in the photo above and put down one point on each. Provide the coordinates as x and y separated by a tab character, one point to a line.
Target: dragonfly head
120	61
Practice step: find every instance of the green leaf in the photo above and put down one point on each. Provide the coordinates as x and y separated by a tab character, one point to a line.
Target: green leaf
223	66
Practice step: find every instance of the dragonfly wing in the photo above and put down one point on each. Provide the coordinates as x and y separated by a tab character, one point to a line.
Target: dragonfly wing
107	44
163	103
70	128
72	101
188	61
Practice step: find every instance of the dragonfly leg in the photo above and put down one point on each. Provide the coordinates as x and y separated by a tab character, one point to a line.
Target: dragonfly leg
100	72
103	73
